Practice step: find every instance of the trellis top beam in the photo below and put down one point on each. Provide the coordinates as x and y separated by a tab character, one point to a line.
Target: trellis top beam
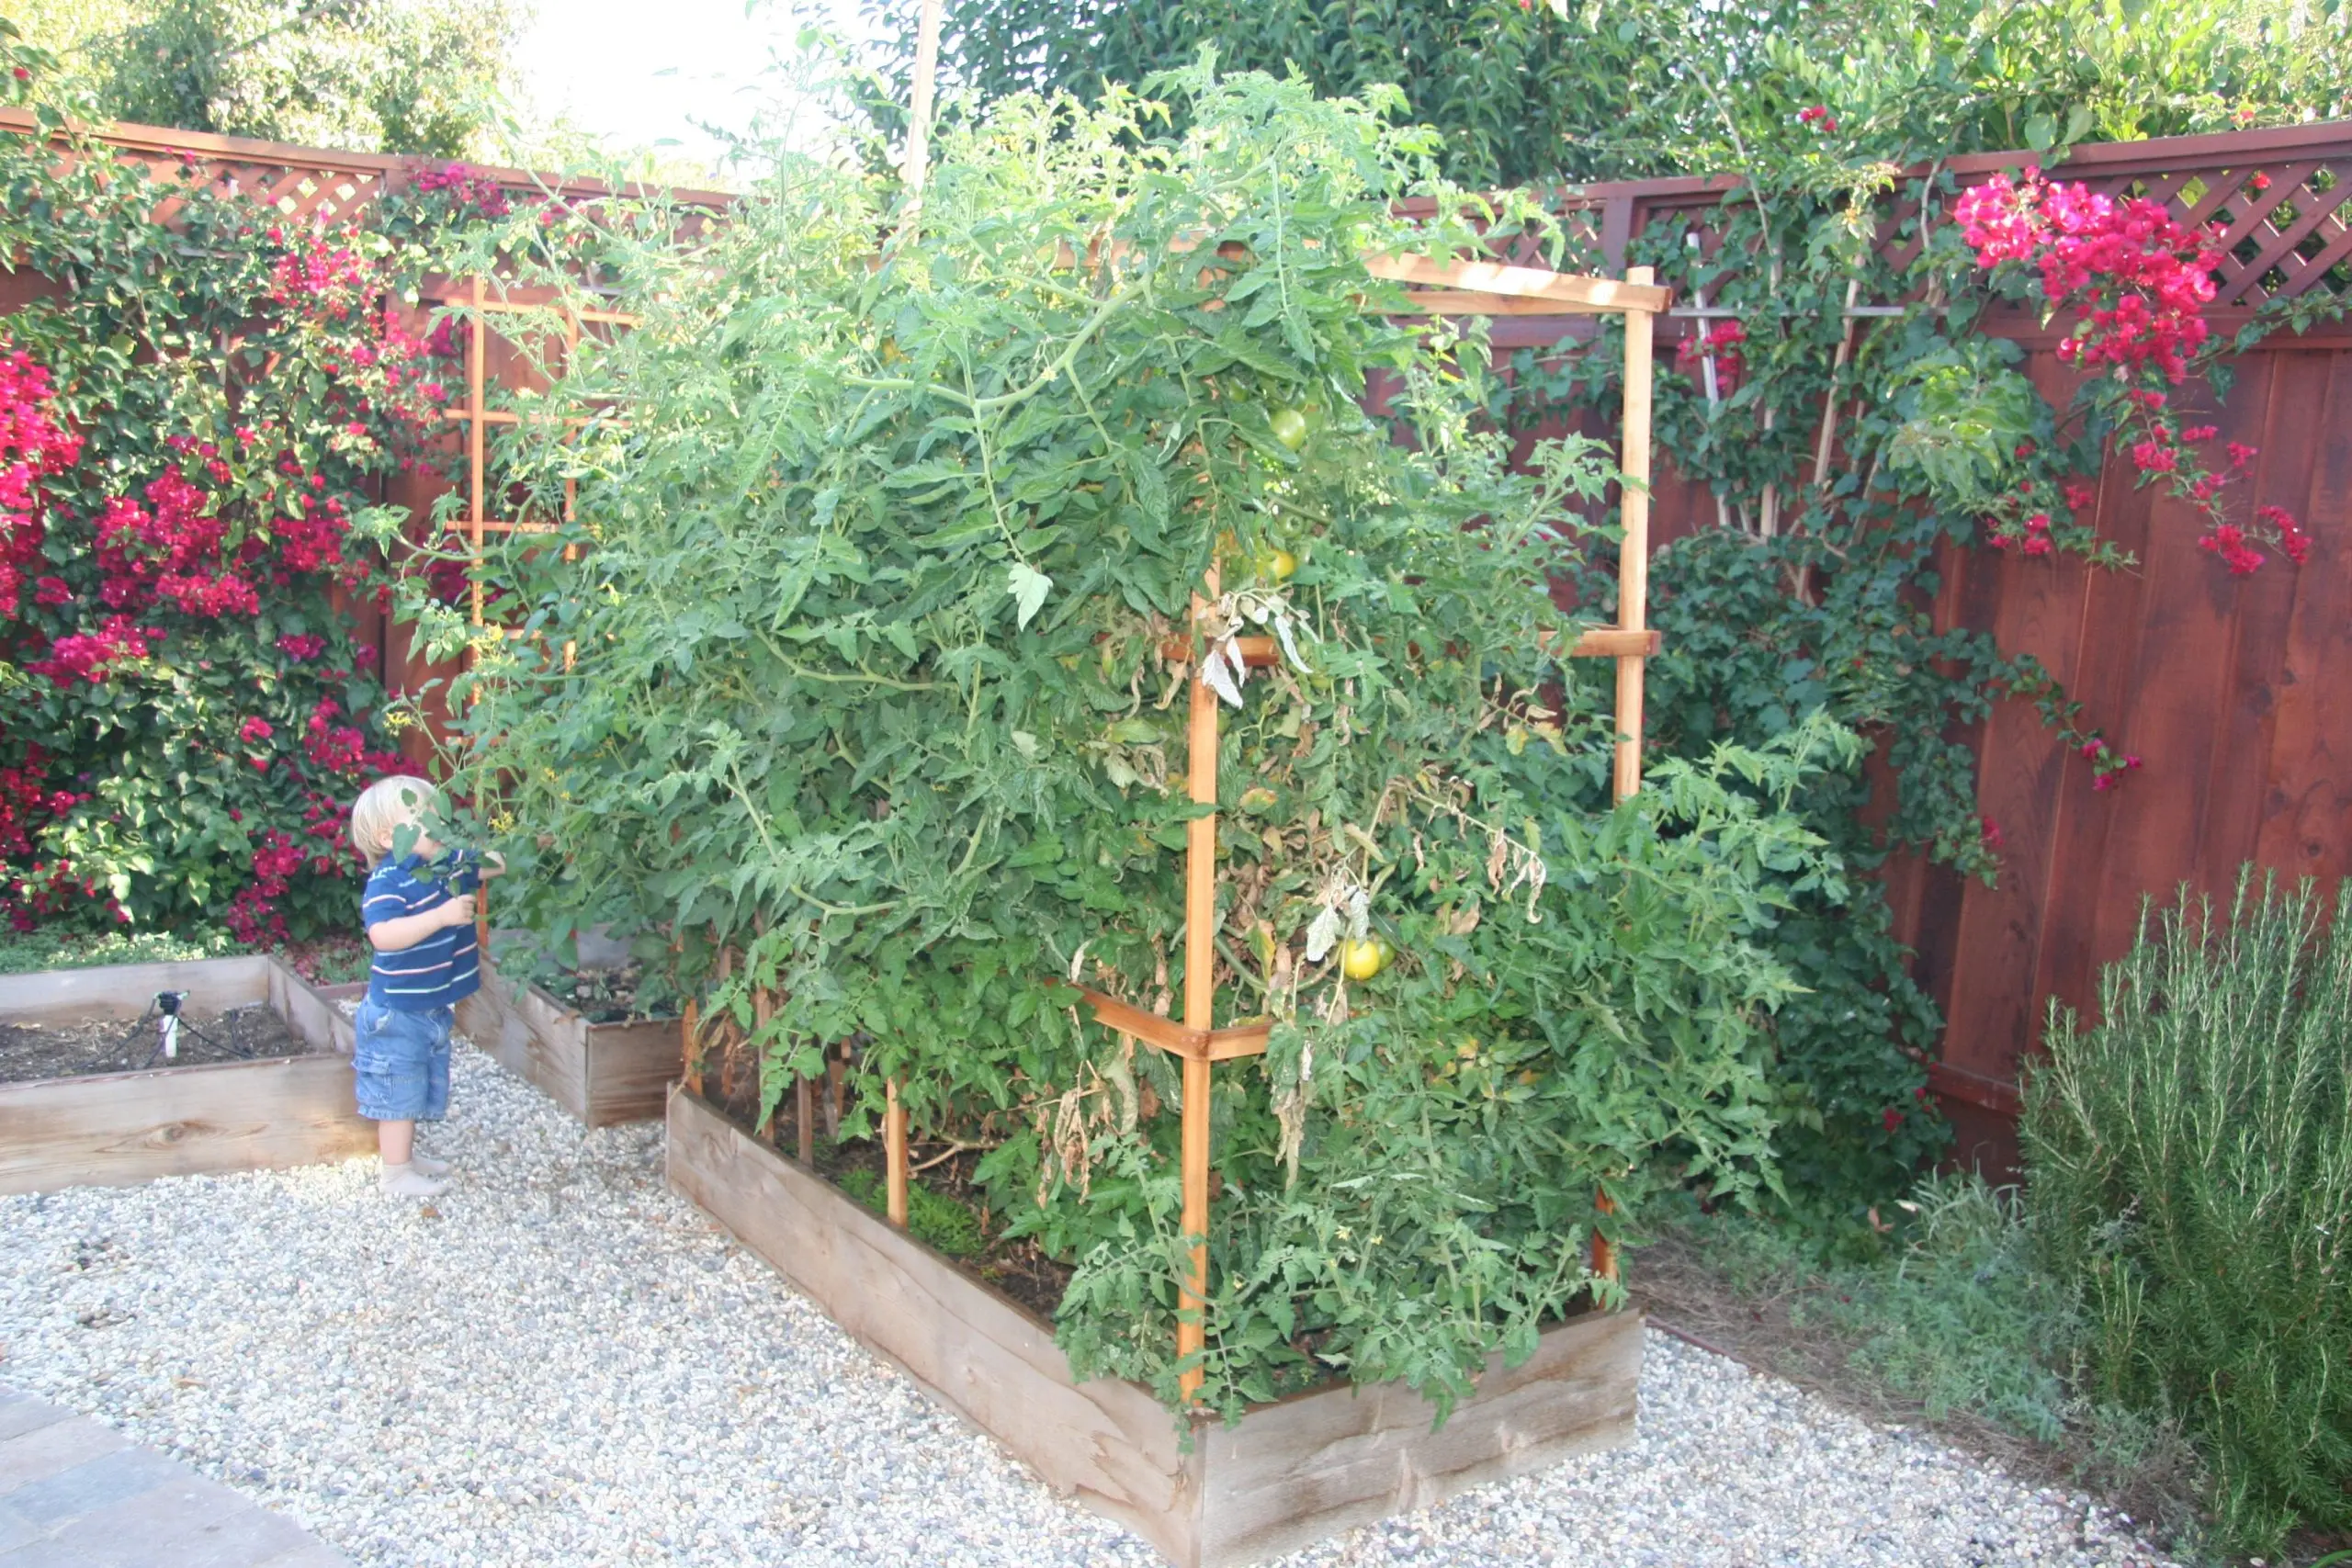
1573	294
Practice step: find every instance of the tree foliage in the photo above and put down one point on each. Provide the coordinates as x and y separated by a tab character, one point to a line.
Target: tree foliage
371	75
872	669
1530	93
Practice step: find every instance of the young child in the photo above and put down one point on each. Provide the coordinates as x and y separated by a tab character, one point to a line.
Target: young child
419	911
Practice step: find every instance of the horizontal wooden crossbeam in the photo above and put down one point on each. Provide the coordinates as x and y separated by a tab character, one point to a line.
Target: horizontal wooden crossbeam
1176	1039
1469	302
507	416
1600	642
1568	293
498	525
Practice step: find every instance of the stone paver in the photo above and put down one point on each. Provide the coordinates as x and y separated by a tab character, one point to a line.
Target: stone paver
75	1494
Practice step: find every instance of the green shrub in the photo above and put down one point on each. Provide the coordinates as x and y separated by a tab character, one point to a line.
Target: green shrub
2189	1164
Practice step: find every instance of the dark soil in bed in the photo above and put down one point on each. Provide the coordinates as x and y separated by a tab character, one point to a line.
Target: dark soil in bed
1016	1268
31	1052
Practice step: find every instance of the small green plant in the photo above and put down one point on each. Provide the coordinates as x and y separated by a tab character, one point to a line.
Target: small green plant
934	1218
29	953
2189	1163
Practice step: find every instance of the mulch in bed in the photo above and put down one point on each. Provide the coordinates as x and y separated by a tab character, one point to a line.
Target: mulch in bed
32	1052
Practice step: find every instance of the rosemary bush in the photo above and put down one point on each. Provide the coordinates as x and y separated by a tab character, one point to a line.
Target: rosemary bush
2189	1163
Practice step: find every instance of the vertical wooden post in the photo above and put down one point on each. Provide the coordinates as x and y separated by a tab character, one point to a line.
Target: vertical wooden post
1200	998
1632	605
477	350
570	485
919	115
1634	554
690	1047
894	1151
477	353
804	1114
762	1008
894	1116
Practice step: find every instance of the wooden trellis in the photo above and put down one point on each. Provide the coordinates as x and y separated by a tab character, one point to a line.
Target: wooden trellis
1443	287
476	416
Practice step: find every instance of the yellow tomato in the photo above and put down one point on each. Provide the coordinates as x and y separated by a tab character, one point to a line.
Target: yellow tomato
1363	960
1276	565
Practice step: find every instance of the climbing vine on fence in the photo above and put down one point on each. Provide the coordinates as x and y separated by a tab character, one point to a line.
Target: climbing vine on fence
193	416
1845	453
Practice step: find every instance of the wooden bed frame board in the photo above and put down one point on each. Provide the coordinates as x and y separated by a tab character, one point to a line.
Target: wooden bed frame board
601	1074
1288	1475
119	1129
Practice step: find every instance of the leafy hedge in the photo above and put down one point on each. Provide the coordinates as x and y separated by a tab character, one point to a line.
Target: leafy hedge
878	647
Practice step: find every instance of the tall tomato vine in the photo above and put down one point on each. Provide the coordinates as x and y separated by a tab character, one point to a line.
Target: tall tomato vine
864	688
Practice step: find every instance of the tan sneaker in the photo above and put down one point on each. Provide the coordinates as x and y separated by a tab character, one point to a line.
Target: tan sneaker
408	1181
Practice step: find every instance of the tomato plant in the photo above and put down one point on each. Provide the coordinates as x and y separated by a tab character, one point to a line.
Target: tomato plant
882	628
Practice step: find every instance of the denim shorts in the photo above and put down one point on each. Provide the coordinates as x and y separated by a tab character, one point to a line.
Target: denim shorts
401	1063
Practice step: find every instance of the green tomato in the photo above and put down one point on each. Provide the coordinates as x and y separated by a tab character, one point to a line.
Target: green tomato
1290	428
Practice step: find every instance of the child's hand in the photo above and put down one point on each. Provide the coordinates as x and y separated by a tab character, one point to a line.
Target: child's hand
457	911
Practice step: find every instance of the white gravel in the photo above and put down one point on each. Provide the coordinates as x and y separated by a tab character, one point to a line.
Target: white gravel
559	1363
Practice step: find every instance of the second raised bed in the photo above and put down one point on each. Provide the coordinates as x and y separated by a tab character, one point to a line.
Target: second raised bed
601	1074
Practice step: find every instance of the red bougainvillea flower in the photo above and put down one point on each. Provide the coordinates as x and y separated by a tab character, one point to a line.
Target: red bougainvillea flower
1722	343
255	730
2079	494
35	446
1988	832
2141	279
1891	1117
90	656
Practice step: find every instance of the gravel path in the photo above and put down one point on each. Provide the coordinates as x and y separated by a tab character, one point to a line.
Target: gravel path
558	1364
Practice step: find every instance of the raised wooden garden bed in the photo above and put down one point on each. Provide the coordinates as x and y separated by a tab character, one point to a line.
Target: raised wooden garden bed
600	1073
116	1129
1289	1474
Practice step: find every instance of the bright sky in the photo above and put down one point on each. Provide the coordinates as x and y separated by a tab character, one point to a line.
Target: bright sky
638	74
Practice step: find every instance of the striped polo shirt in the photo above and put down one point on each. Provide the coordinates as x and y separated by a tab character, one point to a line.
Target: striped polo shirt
444	968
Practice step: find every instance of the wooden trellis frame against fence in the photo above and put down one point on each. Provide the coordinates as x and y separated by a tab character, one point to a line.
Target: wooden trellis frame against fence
476	417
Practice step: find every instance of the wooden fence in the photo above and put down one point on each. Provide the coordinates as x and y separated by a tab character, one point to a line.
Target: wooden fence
2238	692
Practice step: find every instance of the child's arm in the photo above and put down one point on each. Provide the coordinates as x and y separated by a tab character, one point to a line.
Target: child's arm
407	931
493	864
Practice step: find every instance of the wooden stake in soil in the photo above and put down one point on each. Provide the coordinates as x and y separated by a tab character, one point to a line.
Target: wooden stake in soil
762	1008
1200	1001
804	1112
690	1047
894	1149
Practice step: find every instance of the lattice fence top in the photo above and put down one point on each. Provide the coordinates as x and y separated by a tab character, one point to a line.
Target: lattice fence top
304	184
2277	200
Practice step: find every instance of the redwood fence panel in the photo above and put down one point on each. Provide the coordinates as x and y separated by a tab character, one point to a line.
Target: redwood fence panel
2238	692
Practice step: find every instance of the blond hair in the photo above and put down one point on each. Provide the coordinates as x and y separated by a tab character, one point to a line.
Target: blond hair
385	804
